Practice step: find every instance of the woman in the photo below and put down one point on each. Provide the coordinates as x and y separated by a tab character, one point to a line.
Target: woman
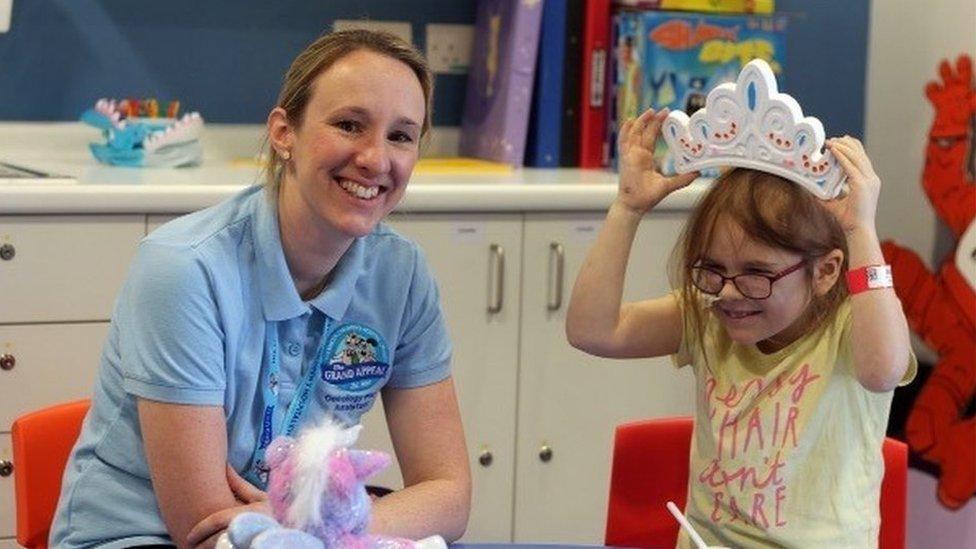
244	321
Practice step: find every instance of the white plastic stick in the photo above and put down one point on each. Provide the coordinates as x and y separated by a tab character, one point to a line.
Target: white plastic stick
687	525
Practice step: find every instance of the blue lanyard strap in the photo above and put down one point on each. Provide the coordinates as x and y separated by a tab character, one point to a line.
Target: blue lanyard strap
257	473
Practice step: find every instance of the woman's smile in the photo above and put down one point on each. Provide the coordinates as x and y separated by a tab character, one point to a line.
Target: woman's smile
361	191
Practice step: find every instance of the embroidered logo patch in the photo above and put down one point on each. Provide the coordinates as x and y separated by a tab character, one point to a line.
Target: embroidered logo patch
356	359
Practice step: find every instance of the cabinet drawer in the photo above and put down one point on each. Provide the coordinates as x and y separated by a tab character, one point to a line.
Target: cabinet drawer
52	363
64	268
8	521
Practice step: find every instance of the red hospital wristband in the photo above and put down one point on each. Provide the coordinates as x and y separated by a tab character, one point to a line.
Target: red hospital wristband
869	277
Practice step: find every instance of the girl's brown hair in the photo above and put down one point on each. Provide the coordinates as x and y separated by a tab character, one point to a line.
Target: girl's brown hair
296	88
771	211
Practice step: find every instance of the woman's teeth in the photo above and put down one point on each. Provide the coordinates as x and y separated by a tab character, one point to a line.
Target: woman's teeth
358	190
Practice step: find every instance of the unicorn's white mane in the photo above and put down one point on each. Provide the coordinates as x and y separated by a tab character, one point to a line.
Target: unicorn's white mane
312	452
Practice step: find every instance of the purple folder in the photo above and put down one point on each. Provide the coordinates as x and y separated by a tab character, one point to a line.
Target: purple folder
498	98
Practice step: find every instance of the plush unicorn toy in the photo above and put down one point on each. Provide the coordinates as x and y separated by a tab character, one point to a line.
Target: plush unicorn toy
317	495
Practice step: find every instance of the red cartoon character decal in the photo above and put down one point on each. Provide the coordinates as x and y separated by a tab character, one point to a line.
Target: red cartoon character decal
941	307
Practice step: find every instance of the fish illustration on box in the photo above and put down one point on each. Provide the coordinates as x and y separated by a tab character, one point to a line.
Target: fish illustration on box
685	56
674	59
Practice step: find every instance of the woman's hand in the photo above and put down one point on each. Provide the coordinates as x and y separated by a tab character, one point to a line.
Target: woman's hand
642	185
858	208
204	535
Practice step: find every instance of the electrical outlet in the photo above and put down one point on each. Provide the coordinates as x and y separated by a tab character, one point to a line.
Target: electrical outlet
6	8
401	29
449	48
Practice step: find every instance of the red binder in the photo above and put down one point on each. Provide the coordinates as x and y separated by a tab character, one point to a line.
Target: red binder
593	151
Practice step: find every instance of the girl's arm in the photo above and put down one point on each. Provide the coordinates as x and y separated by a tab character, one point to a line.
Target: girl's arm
879	331
425	427
596	321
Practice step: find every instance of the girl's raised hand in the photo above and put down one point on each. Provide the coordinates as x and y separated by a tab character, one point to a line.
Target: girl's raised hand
858	208
642	185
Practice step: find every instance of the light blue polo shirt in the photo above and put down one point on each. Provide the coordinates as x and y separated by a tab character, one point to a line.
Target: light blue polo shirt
207	299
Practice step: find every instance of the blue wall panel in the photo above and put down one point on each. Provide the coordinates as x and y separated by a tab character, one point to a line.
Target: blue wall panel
226	58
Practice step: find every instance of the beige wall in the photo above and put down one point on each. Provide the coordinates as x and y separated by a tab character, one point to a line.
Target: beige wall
908	39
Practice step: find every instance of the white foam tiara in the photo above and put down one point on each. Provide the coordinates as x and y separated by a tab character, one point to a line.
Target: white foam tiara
750	124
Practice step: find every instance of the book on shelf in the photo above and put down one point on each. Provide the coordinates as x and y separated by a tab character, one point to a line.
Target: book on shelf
498	97
459	165
569	129
545	122
706	6
593	106
673	59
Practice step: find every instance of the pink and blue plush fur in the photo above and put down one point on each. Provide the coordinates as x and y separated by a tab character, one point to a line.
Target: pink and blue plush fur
318	496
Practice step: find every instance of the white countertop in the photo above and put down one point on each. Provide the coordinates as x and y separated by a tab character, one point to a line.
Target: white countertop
228	167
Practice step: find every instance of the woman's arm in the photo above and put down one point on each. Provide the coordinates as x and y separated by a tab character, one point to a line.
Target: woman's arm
596	321
879	331
425	427
186	449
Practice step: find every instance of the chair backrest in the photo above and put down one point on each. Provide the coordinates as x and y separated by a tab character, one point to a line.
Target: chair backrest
42	441
650	467
894	494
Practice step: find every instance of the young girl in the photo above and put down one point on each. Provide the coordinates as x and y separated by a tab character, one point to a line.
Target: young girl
794	374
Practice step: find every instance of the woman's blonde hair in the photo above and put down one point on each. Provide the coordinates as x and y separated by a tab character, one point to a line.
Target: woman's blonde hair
771	211
296	88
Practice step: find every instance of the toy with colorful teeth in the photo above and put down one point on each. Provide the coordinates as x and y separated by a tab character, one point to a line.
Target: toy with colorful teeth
139	142
750	124
185	130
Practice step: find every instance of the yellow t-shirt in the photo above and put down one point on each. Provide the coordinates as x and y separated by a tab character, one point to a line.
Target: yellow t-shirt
786	450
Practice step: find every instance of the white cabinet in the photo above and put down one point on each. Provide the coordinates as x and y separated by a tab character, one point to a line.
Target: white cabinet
64	268
570	402
7	517
59	276
476	261
52	363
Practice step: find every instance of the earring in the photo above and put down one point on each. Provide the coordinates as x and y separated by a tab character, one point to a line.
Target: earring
286	155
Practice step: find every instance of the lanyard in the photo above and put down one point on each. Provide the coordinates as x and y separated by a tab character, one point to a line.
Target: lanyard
257	473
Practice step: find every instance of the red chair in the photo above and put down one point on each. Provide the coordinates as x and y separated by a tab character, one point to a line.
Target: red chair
894	494
42	441
650	467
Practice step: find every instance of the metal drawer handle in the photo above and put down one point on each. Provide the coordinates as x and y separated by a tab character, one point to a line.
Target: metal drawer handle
6	468
486	458
557	256
545	453
7	361
496	278
7	252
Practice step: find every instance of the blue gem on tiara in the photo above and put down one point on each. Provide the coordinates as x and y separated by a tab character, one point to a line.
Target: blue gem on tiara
750	124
